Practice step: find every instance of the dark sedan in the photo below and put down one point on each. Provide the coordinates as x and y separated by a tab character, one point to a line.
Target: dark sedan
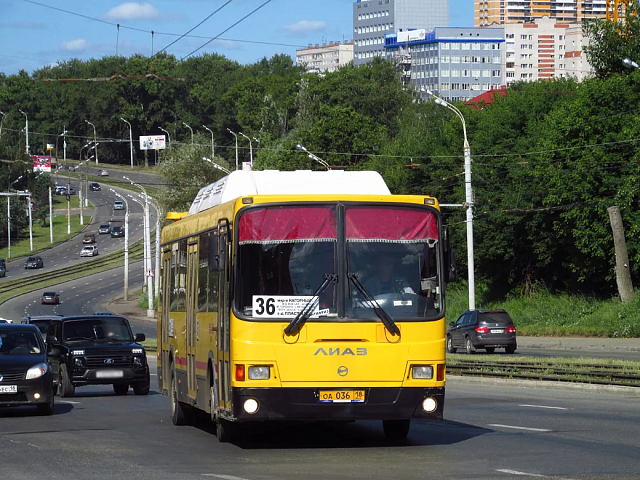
25	373
50	298
117	231
34	261
95	187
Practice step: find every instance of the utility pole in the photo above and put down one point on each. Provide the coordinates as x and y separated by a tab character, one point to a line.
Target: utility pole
8	227
623	272
50	216
30	225
68	209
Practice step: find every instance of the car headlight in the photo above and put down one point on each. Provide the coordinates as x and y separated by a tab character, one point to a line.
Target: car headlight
422	372
37	371
259	373
78	362
138	362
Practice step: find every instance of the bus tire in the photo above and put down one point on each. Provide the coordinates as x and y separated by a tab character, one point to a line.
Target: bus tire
177	411
213	402
396	429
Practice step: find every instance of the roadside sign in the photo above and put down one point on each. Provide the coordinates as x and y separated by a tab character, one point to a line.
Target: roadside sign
149	273
152	142
50	146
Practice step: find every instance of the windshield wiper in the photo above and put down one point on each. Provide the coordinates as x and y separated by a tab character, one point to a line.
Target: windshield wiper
303	315
379	311
73	339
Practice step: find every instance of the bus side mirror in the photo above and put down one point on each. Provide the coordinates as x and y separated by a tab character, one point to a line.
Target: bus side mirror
216	260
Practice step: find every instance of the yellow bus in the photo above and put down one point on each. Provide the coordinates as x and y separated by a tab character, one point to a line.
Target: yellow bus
301	296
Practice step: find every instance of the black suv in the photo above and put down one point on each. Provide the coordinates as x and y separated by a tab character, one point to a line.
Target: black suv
485	329
34	261
117	231
97	350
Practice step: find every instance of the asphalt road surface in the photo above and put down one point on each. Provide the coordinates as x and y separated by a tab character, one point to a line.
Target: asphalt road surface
489	432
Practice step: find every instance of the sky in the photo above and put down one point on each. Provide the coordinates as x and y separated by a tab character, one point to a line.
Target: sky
33	35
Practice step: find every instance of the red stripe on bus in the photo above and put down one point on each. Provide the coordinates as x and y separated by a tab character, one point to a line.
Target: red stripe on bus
183	361
180	360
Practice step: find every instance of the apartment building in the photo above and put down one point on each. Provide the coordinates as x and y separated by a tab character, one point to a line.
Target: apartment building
455	63
325	58
488	12
373	19
542	49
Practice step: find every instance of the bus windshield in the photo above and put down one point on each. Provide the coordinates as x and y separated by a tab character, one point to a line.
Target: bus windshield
392	263
285	253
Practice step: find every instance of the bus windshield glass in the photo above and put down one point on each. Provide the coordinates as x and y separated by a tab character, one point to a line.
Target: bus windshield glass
393	253
285	255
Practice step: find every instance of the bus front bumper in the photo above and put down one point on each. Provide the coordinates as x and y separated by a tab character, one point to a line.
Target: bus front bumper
303	404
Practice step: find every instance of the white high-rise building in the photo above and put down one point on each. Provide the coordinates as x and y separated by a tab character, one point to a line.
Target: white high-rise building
325	58
373	19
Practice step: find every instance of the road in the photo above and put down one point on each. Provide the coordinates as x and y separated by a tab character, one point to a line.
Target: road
489	432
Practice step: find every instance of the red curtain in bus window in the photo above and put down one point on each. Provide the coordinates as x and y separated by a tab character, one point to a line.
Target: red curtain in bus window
279	225
390	224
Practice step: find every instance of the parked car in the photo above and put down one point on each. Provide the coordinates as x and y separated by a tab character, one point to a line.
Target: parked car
103	173
482	329
95	187
25	369
89	238
50	298
89	251
33	261
117	231
97	350
118	205
104	228
42	322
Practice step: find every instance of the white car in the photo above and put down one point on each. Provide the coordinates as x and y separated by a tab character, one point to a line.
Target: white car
103	173
89	251
118	205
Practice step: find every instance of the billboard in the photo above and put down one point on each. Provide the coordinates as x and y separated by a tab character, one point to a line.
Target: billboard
41	163
152	142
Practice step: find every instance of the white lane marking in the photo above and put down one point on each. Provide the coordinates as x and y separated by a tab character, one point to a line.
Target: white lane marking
515	472
69	402
544	406
519	428
73	288
114	274
225	477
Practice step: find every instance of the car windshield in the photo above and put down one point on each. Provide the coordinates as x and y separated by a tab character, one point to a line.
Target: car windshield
97	330
285	254
19	342
104	225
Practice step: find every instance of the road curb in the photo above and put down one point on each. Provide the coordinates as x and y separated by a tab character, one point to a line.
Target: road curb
544	384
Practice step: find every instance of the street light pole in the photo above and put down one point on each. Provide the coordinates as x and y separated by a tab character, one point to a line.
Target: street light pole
250	148
236	136
216	166
159	214
468	197
50	217
65	149
64	143
168	136
1	122
213	147
26	126
189	129
313	157
30	225
126	244
95	141
130	139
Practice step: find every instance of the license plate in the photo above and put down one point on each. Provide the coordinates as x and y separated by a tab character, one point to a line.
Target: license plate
341	396
499	330
109	374
8	389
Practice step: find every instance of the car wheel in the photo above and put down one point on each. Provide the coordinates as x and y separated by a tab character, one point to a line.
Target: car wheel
490	349
510	349
177	411
450	347
469	347
120	389
142	388
47	408
396	429
67	388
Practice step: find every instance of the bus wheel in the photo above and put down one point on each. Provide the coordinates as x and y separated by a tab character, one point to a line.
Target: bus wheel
224	430
396	429
177	412
213	402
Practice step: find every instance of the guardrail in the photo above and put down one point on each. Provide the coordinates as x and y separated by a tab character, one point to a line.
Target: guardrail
599	374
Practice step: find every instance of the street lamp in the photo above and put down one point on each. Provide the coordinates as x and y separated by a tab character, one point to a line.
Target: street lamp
168	137
26	127
236	136
630	63
95	141
313	157
216	166
65	149
468	195
189	129
159	215
130	139
250	148
213	147
1	122
126	244
147	242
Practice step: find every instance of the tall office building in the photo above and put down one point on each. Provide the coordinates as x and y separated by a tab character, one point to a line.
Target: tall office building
487	12
325	58
372	19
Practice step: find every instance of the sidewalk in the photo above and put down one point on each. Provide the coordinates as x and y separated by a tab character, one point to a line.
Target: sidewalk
131	310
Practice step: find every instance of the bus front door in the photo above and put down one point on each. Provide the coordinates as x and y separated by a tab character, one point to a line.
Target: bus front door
192	323
224	307
163	337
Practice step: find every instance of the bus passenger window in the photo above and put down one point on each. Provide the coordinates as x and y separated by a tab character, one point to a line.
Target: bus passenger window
203	272
182	276
173	291
214	276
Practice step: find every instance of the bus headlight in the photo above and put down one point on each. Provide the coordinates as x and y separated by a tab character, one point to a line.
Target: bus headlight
429	405
259	373
251	405
423	372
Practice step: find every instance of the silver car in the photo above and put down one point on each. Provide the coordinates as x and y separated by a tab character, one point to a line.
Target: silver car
89	251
